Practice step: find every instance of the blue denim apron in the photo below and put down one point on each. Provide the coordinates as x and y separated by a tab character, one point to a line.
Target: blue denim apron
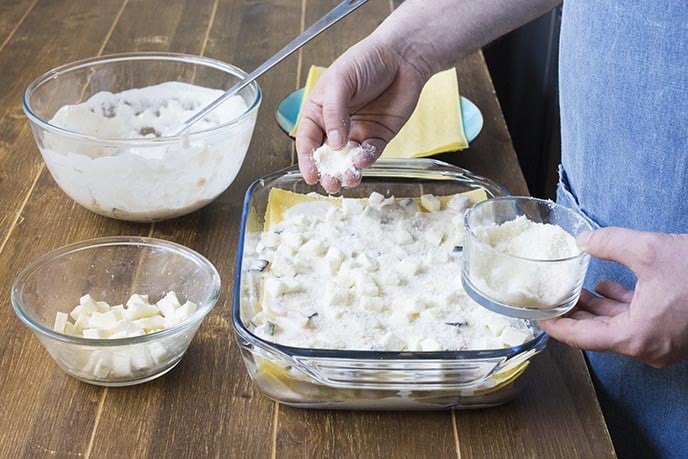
624	111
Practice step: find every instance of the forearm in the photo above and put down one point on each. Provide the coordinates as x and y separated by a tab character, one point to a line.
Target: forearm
436	34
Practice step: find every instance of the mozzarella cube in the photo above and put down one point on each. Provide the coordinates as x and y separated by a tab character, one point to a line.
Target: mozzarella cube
410	206
78	311
334	258
413	343
497	325
151	323
430	203
434	236
458	203
335	297
331	214
138	300
103	366
157	352
121	363
352	206
102	320
88	304
140	310
185	311
102	306
375	199
513	337
283	267
429	344
388	202
368	263
269	240
69	329
437	257
368	289
169	301
313	247
391	342
61	320
140	358
95	333
372	214
118	311
402	236
292	240
408	267
82	322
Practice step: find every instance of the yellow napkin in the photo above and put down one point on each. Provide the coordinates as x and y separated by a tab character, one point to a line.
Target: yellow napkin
435	125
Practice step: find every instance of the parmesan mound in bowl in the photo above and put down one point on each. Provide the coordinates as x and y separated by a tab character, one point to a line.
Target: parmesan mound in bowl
116	311
521	258
106	130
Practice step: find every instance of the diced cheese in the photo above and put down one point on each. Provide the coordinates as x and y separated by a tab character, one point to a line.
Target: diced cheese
352	206
429	344
186	310
375	199
430	202
392	341
60	322
313	247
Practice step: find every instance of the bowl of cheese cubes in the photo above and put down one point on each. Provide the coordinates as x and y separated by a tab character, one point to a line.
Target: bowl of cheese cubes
116	311
356	302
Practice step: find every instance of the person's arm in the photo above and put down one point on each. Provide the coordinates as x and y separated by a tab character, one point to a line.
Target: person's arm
370	91
649	323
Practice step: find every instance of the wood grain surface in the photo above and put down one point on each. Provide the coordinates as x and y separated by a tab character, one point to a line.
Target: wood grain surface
207	406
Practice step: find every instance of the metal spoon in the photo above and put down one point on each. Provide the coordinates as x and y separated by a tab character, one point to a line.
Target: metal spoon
340	11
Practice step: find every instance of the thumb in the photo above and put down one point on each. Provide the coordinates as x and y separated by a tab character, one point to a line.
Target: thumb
625	246
336	105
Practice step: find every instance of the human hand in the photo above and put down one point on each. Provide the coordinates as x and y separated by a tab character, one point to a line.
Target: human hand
366	95
649	323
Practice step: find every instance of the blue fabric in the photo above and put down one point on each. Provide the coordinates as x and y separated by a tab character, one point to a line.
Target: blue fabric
624	110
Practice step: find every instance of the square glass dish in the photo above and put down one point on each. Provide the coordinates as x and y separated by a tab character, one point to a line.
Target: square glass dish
367	379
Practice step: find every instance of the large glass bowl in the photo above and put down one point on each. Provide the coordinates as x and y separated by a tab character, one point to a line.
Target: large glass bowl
322	378
111	269
140	179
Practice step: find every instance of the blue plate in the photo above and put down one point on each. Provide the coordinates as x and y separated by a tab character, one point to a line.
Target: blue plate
288	112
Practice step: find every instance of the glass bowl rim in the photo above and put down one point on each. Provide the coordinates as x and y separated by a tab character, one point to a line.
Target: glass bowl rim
115	241
470	229
64	69
537	342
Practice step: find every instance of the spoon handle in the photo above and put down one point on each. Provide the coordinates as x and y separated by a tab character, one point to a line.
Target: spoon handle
340	11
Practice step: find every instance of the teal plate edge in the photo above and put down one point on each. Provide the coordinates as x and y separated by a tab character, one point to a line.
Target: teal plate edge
288	112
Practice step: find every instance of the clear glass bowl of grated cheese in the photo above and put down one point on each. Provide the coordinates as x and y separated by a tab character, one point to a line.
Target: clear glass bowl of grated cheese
315	376
521	259
98	273
105	128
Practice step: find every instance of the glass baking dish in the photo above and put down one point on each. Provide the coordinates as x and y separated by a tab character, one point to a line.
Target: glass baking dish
326	378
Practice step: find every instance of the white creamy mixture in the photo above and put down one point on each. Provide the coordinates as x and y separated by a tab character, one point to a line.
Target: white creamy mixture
375	274
147	182
526	283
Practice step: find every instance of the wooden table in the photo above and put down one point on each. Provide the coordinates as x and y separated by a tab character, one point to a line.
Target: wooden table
207	406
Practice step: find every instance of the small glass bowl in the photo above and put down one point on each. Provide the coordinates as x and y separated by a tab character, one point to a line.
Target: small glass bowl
111	269
515	286
140	179
366	379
